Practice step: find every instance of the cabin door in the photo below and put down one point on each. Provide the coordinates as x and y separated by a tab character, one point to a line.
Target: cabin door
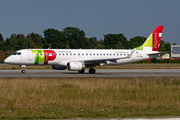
30	55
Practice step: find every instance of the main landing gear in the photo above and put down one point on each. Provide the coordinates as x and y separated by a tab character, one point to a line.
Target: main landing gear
92	71
23	68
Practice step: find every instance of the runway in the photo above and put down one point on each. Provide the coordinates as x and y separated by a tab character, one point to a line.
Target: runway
100	73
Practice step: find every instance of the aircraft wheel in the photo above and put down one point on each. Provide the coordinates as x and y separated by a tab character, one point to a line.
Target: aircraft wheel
23	71
92	71
82	71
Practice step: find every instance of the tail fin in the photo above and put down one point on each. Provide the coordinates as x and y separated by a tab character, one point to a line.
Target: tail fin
153	41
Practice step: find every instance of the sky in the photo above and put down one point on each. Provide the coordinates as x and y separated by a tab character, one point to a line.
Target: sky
95	17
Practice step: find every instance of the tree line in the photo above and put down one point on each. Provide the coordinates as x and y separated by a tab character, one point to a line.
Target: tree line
72	38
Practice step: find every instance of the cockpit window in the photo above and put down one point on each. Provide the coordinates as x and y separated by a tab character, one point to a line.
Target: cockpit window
16	53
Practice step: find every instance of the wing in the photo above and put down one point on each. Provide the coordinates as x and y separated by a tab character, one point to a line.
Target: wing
98	61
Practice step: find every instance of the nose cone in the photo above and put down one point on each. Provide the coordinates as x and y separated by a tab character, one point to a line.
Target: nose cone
7	60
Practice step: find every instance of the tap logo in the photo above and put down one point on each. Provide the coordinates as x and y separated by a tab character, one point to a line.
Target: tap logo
155	41
43	56
157	33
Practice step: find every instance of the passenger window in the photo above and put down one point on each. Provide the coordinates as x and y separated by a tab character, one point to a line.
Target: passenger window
124	54
110	54
66	54
93	54
86	54
59	54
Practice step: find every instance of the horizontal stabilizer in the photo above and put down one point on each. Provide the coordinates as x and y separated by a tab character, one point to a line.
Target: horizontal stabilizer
159	53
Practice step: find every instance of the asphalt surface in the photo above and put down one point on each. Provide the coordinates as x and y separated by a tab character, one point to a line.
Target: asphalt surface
100	73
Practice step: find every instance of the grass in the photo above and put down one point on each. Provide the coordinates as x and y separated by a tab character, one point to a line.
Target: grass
67	98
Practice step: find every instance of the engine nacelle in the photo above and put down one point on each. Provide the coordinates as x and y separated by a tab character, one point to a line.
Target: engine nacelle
58	67
75	66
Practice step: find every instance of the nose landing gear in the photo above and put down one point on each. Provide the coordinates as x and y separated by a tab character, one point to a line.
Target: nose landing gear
23	68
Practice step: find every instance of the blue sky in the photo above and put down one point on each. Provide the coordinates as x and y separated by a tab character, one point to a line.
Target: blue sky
95	17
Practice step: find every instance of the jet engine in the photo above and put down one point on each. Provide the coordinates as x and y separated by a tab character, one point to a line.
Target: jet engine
75	66
58	67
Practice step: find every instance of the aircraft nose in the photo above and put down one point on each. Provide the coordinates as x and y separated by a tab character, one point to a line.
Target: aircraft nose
7	60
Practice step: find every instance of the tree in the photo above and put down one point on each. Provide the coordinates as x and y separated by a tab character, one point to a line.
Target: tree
137	41
1	45
30	43
100	46
1	37
94	41
110	41
101	42
21	43
55	38
9	45
167	46
119	45
36	38
75	37
162	45
90	44
1	42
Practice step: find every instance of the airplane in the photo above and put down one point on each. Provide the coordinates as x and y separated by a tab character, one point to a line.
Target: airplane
79	59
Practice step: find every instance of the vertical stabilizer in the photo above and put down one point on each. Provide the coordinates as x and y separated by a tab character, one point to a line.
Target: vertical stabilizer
153	41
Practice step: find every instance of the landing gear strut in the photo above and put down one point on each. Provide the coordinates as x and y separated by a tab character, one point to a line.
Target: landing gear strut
23	68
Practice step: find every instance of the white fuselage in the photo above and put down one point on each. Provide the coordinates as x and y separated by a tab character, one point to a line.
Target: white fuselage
63	56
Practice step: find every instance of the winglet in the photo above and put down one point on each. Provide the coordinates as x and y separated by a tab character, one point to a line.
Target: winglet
131	53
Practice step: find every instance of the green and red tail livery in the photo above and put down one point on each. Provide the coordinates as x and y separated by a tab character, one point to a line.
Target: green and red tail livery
153	40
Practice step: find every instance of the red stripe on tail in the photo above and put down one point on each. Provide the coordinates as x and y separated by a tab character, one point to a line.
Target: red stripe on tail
157	33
